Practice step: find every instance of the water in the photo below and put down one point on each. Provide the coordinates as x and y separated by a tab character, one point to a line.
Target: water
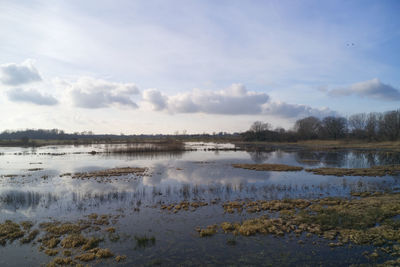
31	188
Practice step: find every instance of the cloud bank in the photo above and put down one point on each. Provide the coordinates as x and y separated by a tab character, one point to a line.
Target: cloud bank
31	96
233	100
17	74
93	93
286	110
372	89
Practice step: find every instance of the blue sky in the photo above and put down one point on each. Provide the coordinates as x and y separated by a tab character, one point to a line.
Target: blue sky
200	66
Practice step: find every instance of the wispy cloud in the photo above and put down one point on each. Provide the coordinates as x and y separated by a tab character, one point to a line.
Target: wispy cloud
18	74
31	96
372	89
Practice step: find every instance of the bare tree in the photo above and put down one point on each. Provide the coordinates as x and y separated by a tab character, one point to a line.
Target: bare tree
258	127
371	127
334	127
308	128
389	125
358	124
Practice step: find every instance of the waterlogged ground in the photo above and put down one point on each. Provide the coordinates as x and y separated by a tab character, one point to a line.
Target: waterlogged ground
40	185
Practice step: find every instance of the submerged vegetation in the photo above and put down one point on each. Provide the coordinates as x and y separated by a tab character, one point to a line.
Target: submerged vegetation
145	241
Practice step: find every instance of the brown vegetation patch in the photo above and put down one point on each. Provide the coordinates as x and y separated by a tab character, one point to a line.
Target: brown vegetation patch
32	235
73	241
86	257
59	237
104	253
110	172
120	258
208	231
184	205
26	225
9	231
268	167
35	169
60	261
373	171
58	228
51	252
110	229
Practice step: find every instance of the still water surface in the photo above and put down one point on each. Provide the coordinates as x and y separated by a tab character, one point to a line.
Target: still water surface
32	188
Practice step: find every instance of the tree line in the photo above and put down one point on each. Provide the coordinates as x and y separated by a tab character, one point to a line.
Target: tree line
363	126
372	126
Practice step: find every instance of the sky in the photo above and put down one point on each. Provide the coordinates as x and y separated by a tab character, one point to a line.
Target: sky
149	67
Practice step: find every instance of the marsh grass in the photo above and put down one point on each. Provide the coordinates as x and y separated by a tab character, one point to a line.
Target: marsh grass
372	171
169	145
110	172
371	220
268	167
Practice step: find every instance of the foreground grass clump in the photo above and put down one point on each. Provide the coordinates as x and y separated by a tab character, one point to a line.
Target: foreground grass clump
31	236
74	240
209	231
373	171
120	258
9	231
370	220
263	205
268	167
184	205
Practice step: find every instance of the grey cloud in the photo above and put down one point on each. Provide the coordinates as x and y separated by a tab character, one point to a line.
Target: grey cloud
286	110
155	98
373	89
31	96
95	93
17	74
232	100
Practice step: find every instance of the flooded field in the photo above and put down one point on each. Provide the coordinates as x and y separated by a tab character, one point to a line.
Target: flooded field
161	208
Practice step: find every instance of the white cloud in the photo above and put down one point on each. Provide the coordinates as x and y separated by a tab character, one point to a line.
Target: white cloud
17	74
31	96
88	92
373	89
232	100
286	110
